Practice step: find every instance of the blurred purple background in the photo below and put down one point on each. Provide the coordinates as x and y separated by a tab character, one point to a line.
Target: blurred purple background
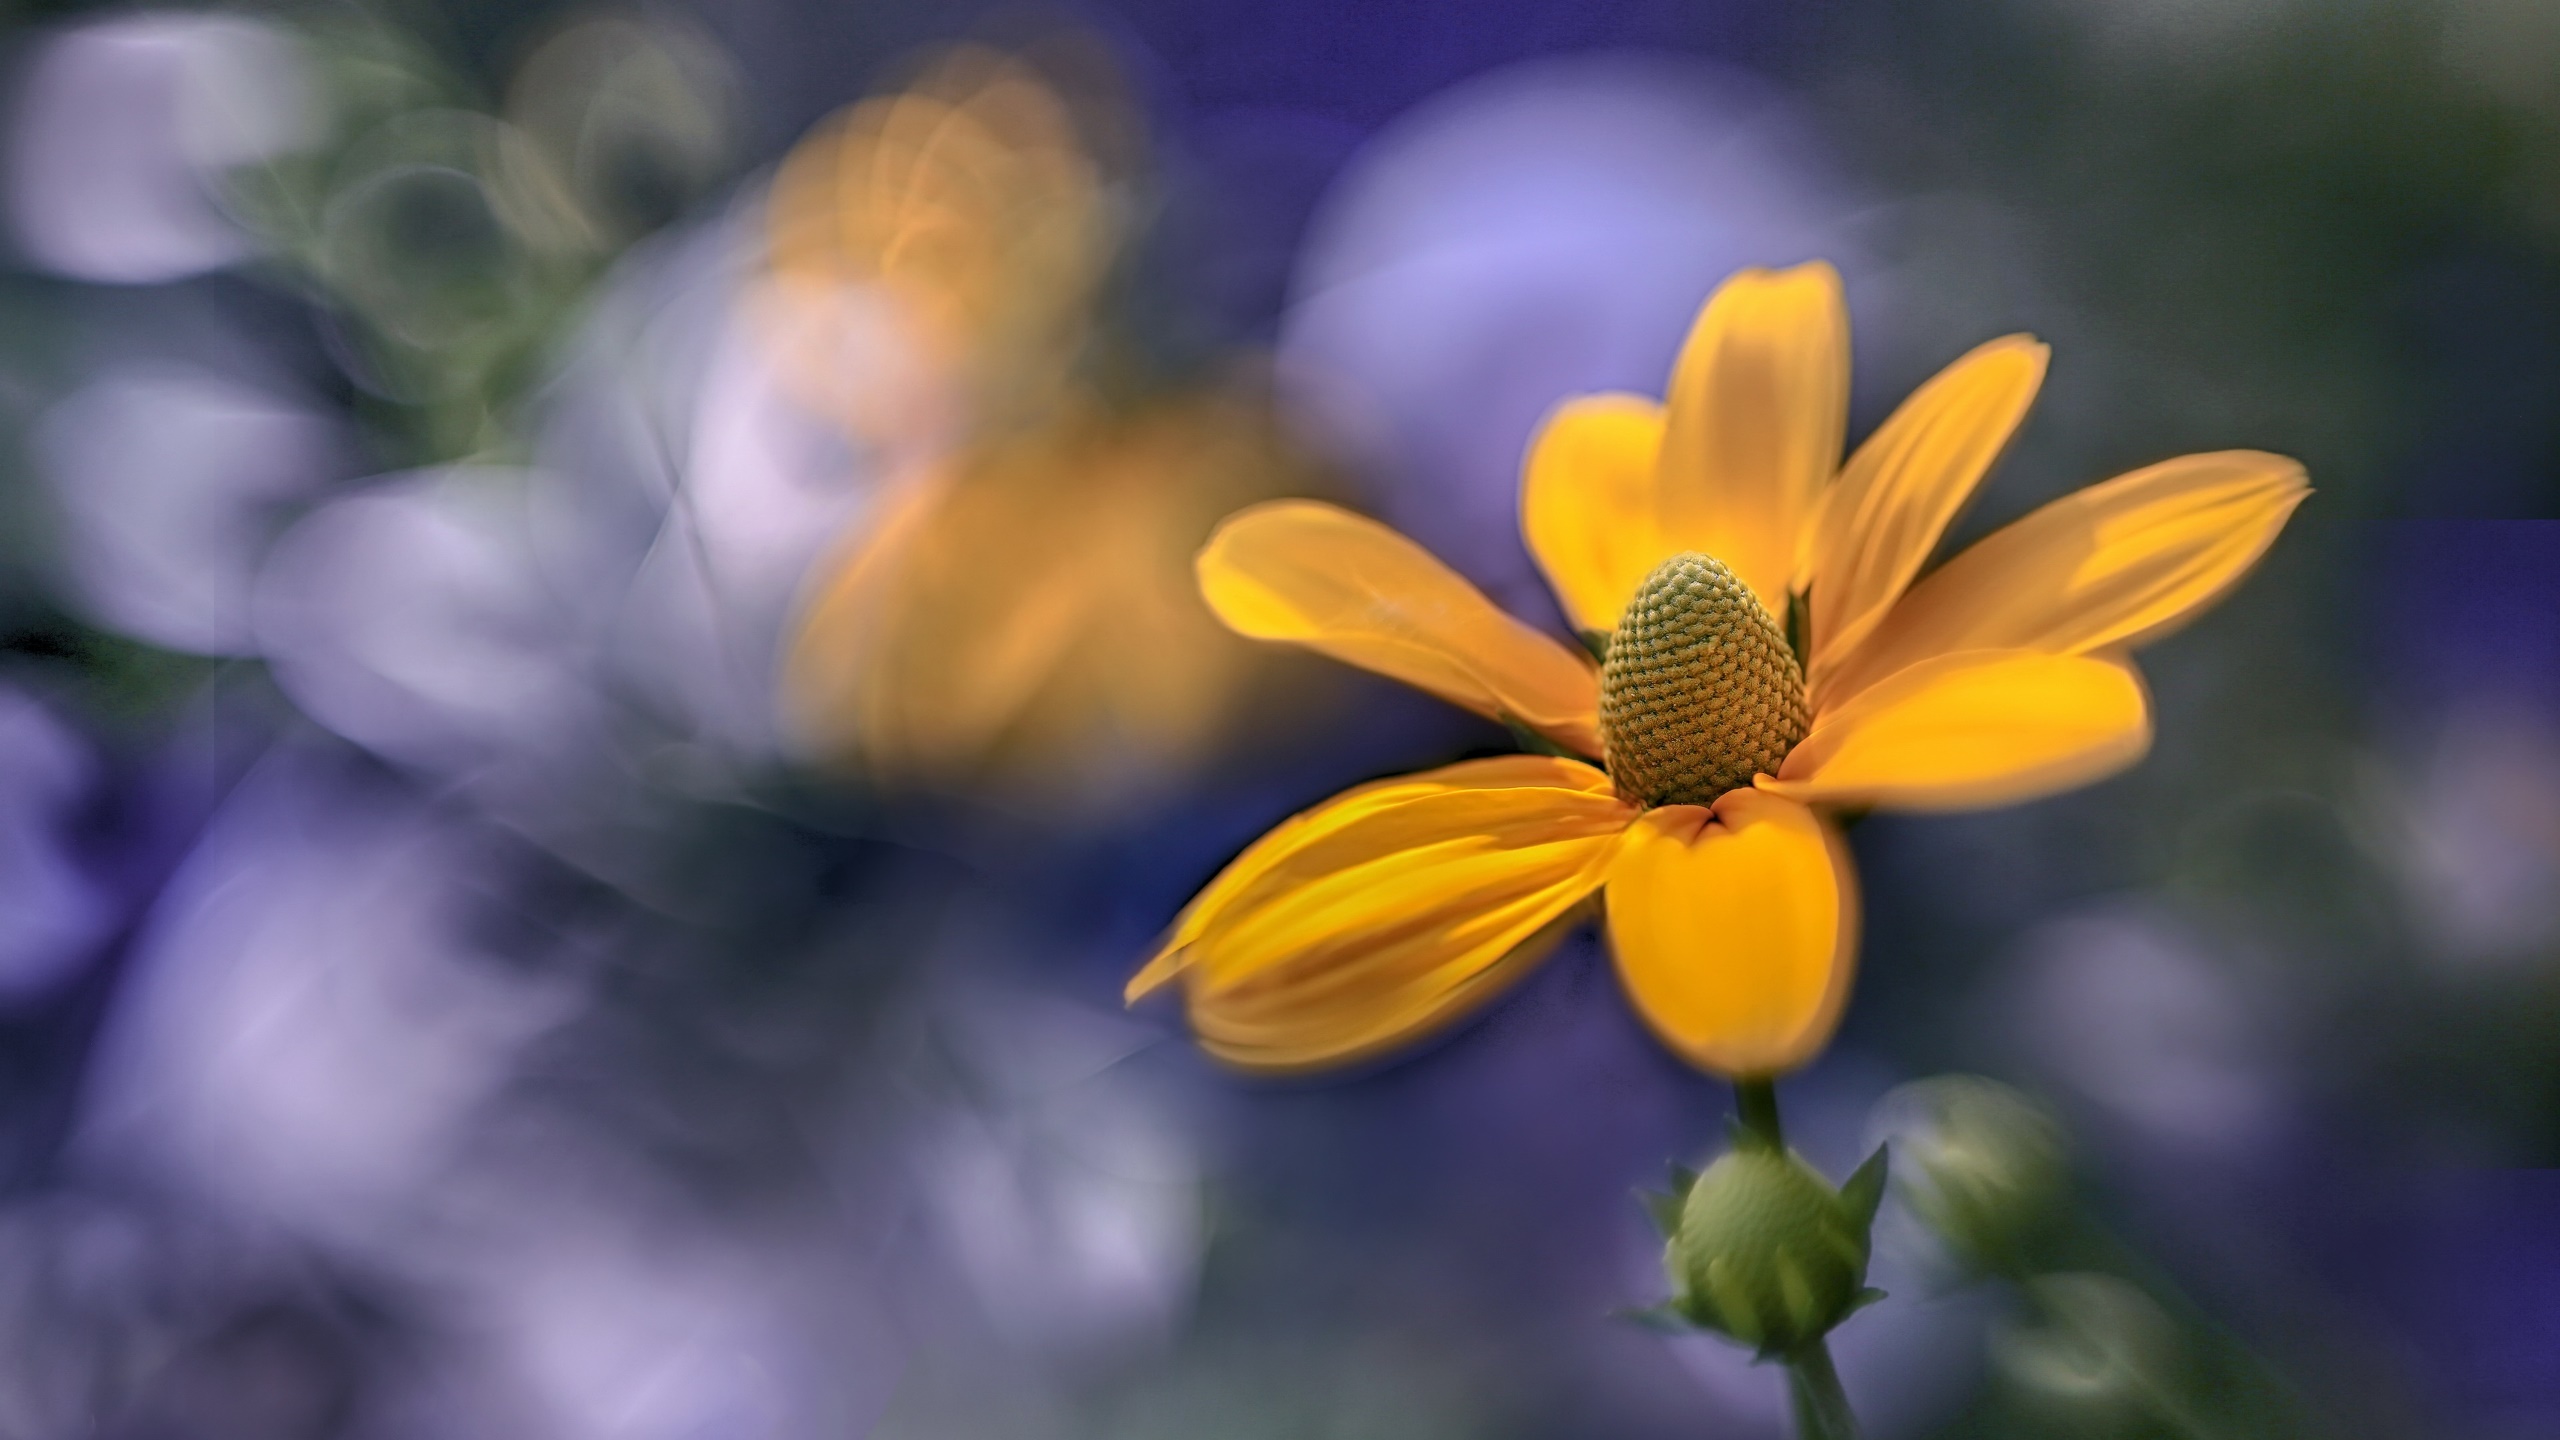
448	988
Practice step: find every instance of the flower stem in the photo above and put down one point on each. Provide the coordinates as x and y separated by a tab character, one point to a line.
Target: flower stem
1822	1407
1756	1101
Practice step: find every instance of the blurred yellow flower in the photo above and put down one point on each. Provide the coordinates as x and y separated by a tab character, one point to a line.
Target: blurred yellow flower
1705	543
939	246
1027	615
1020	613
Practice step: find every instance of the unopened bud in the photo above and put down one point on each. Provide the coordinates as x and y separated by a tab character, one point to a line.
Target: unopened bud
2098	1359
1765	1252
1983	1166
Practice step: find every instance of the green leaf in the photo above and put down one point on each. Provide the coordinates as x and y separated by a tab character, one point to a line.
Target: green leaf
1799	628
1664	1318
1663	1210
1535	743
1865	1190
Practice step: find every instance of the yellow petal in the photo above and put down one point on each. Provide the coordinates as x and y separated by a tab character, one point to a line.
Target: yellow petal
1736	933
1897	495
1322	577
1757	410
1973	729
1587	503
2109	567
1388	911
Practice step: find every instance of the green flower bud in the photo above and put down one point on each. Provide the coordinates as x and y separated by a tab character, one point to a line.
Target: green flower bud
1983	1166
2098	1359
1765	1252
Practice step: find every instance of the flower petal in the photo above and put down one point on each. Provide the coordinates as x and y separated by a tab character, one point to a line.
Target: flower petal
1756	418
1587	503
1388	911
2109	567
1977	728
1736	933
1897	495
1339	583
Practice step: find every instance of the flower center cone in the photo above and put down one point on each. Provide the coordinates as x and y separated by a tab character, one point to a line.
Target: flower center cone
1700	691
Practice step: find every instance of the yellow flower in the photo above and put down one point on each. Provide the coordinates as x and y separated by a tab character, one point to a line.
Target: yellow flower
1018	614
1023	618
1694	534
960	225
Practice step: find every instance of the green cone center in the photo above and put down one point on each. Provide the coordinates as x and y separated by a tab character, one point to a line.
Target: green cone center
1700	691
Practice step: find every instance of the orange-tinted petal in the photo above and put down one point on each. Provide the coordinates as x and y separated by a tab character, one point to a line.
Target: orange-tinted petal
1736	933
2111	566
1388	911
1754	423
1897	495
1587	503
1319	576
1977	728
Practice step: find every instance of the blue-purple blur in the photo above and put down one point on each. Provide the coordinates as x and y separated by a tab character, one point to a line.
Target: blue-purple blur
599	689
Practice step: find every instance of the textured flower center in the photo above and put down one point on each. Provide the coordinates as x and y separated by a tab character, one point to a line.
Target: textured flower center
1700	691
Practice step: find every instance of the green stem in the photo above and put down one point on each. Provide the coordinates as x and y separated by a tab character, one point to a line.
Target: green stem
1756	1101
1822	1407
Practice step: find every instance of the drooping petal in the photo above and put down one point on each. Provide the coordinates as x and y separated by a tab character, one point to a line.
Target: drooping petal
2109	567
1899	492
1587	503
1319	576
1756	416
1288	842
1736	932
1972	729
1388	911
